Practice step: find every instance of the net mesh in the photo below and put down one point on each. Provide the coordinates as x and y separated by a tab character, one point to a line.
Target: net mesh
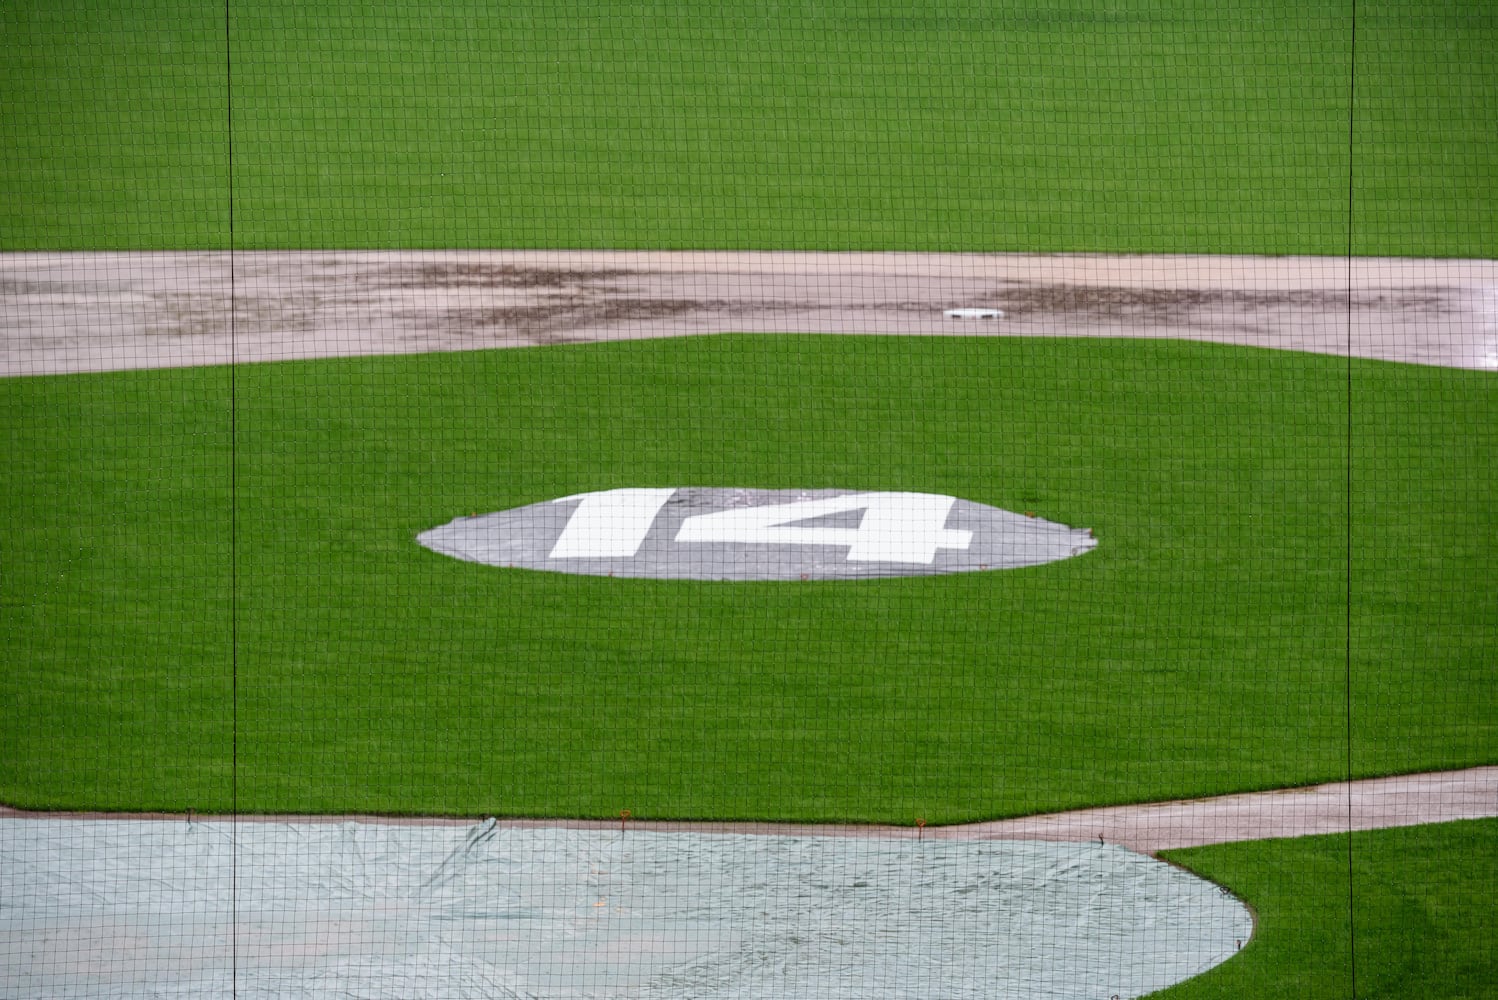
818	498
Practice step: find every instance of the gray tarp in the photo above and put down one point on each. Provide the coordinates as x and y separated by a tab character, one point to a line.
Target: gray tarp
115	908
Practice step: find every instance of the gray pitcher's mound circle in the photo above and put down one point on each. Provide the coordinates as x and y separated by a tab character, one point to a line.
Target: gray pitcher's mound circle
711	533
135	908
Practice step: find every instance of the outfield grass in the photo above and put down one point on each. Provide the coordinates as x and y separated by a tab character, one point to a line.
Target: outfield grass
1420	900
1201	648
1193	126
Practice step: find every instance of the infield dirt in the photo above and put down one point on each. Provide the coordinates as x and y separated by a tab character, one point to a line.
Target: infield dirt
76	312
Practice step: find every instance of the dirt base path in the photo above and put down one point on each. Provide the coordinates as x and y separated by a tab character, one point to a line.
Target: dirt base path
1336	807
74	312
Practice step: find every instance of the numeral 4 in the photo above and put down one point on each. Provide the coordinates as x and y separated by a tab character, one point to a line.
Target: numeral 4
896	527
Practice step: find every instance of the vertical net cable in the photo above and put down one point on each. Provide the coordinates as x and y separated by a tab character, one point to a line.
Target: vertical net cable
1352	103
233	509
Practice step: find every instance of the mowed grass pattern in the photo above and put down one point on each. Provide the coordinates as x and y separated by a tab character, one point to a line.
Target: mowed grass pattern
1202	648
1196	126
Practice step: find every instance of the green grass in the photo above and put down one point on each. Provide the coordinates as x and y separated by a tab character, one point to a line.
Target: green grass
1201	648
1421	900
1192	126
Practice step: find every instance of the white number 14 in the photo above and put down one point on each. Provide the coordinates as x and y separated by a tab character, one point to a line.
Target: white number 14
895	527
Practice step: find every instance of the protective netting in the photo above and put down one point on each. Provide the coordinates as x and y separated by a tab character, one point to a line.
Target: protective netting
966	498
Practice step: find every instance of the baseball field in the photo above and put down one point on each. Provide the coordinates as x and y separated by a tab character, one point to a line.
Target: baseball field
214	602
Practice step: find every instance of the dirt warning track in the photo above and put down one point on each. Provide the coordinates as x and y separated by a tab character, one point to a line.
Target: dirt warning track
77	312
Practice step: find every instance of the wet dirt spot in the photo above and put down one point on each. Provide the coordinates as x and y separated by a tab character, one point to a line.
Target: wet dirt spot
1176	305
445	276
